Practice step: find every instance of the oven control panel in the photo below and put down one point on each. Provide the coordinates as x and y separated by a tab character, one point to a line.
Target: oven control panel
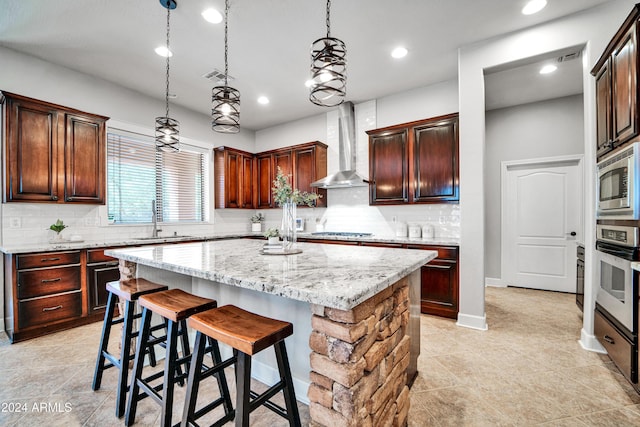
621	235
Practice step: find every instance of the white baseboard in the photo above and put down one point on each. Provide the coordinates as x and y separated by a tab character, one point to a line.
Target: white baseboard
497	283
472	322
590	342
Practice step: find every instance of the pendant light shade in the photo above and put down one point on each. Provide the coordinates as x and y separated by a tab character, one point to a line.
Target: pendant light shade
328	69
225	112
167	128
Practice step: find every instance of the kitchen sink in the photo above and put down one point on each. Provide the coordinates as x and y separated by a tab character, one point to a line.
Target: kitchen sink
163	237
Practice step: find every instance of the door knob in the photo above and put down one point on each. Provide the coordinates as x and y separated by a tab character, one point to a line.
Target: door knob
573	233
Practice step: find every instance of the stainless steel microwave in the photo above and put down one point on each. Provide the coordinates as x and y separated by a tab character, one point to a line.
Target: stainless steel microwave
618	184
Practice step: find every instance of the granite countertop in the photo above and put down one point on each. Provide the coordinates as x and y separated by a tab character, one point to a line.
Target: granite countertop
21	248
330	275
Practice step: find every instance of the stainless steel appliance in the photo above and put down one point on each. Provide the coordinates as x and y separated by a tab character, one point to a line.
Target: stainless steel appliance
617	247
580	277
618	185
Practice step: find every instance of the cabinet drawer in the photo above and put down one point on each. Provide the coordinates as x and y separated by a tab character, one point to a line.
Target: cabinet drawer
97	255
41	311
47	281
444	252
47	259
620	350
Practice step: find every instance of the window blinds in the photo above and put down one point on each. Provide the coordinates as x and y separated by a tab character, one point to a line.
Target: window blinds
138	174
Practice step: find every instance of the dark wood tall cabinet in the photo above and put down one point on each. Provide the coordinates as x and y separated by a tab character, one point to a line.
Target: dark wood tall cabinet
616	74
415	162
264	175
53	153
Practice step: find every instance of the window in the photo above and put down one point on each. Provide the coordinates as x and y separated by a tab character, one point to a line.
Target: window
137	174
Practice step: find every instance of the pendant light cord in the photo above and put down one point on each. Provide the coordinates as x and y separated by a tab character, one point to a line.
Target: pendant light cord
166	98
226	46
328	18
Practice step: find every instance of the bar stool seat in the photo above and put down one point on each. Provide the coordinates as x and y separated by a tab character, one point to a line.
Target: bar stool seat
128	291
247	333
174	306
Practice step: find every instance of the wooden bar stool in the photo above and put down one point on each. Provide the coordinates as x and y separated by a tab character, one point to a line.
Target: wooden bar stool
174	306
247	333
128	291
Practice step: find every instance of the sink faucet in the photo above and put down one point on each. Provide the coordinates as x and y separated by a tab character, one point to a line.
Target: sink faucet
154	219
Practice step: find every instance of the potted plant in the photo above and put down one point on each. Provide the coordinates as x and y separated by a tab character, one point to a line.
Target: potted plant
57	226
256	221
273	235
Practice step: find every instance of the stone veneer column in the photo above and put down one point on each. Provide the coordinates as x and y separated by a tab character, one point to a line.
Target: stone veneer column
359	362
128	269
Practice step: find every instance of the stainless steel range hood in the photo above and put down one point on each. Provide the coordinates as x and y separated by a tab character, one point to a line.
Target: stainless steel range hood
347	176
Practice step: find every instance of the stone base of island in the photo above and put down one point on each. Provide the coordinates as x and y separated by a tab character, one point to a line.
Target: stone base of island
356	308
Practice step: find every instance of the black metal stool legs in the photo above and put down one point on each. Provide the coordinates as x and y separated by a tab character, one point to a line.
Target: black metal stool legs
243	389
285	376
125	345
197	373
104	342
143	335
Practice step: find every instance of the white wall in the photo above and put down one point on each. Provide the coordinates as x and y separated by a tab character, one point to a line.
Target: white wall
594	27
540	129
348	209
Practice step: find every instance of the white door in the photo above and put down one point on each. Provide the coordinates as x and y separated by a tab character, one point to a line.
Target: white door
542	218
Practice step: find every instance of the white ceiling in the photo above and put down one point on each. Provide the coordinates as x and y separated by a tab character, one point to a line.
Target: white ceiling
269	44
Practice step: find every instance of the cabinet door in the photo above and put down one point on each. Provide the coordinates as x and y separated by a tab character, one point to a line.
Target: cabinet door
603	110
98	275
32	152
388	168
265	177
439	288
233	177
284	161
624	94
84	171
435	162
246	183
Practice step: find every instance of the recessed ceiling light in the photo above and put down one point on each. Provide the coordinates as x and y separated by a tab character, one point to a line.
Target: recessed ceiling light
399	52
547	69
212	15
263	100
163	51
533	6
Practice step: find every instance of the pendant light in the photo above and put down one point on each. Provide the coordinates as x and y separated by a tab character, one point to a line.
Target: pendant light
167	128
226	100
328	69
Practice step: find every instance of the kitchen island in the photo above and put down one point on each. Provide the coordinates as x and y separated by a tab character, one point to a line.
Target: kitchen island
356	308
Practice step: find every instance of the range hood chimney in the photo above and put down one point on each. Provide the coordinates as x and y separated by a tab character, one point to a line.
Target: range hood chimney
347	176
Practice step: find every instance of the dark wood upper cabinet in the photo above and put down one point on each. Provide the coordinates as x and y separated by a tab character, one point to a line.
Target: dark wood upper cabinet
244	180
388	167
54	154
616	74
264	178
233	178
603	109
415	162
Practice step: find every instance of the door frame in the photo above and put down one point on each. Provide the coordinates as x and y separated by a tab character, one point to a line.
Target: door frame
543	161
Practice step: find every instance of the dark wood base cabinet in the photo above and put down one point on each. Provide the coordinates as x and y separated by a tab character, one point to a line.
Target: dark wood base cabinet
621	344
51	291
439	278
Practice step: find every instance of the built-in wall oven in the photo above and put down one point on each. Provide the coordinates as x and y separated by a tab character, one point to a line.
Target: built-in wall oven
617	248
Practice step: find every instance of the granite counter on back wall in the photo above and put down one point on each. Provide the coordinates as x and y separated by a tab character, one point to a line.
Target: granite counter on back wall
357	308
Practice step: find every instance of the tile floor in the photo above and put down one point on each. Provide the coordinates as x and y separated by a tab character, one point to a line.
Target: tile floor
527	369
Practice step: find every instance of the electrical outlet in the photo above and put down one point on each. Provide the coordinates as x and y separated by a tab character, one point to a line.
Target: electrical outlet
15	223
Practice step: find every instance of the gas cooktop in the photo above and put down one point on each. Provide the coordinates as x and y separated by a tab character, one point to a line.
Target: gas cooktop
341	234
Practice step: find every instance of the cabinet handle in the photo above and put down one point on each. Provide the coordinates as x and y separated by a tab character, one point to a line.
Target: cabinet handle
49	259
54	197
608	339
51	280
57	307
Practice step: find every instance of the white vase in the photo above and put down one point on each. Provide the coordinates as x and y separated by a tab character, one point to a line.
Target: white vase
288	228
256	226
